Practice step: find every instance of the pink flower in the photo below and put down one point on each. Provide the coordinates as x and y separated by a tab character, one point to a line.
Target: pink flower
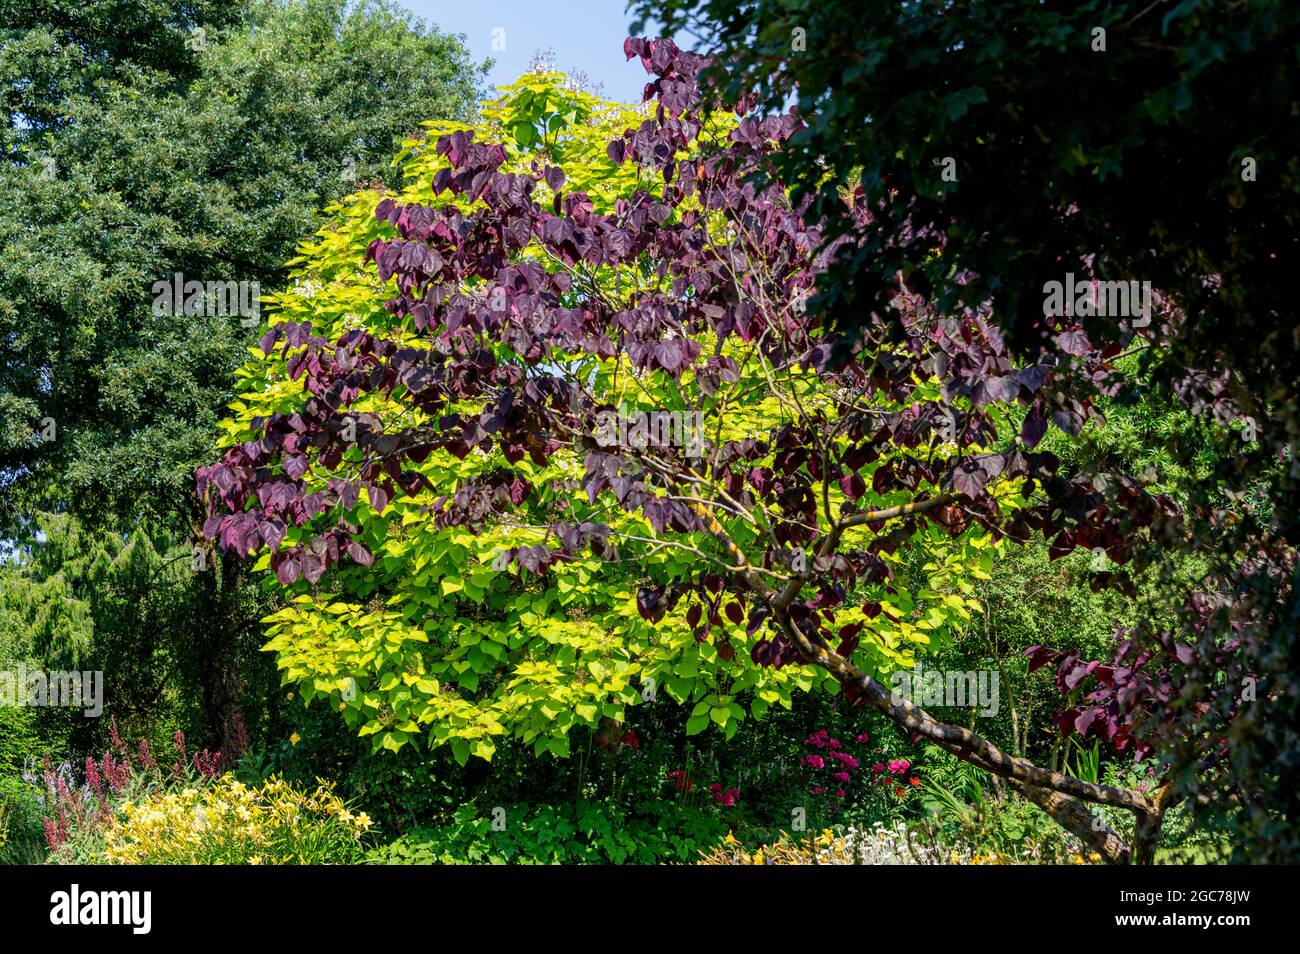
862	738
839	792
877	768
841	776
208	764
899	766
834	743
147	761
815	761
92	776
724	797
53	835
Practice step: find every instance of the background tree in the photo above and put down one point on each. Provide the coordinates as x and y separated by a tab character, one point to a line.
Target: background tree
146	140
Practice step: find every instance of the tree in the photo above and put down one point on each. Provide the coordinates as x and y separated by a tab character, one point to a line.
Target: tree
433	633
94	600
213	168
482	399
1129	141
144	141
1034	139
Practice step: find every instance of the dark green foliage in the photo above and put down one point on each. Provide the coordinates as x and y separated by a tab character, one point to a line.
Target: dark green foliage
96	601
143	140
1063	151
22	840
212	162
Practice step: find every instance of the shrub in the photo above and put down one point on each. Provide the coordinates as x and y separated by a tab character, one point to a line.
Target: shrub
581	833
21	841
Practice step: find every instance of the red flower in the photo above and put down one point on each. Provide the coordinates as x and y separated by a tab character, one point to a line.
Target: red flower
678	778
724	797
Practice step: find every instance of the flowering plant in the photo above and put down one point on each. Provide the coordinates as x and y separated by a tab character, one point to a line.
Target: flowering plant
227	822
84	805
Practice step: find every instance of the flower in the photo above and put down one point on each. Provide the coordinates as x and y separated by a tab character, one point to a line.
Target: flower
863	738
815	761
841	776
679	779
877	768
899	766
914	781
724	797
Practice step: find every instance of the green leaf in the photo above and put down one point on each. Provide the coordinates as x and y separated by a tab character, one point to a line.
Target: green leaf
525	135
460	749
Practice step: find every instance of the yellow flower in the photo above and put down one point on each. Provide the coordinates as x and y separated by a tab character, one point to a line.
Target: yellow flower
295	738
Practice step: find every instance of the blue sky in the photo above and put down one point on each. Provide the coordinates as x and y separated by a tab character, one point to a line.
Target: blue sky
585	35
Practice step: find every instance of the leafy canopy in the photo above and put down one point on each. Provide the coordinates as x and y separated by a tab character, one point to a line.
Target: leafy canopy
392	467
